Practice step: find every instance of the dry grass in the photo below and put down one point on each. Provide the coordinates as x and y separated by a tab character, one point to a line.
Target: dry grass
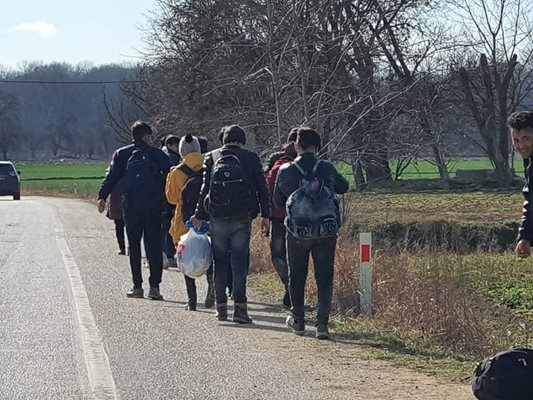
423	301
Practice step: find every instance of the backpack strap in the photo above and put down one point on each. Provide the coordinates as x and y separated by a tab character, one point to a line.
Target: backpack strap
308	174
187	170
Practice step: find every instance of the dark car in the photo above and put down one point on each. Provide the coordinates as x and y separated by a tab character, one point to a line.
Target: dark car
9	180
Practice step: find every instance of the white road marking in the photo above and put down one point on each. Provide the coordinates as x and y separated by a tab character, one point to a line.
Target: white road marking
101	379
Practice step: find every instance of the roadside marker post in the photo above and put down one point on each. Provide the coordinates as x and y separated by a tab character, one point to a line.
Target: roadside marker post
365	278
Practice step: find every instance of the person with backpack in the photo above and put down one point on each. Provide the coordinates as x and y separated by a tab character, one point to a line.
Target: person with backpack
183	191
144	169
233	182
278	232
307	188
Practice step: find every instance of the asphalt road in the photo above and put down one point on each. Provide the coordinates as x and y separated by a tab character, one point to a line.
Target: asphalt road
68	331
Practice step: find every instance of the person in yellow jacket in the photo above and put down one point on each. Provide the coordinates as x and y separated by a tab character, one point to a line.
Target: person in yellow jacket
192	164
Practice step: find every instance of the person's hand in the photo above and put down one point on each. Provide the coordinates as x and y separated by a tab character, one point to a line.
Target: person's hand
197	223
265	226
523	249
101	205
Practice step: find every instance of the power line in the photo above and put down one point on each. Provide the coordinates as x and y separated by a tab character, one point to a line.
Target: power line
69	82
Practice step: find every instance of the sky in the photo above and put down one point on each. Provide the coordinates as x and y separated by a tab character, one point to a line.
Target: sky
98	31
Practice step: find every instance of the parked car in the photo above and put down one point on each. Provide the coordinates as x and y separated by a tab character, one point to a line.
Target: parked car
9	180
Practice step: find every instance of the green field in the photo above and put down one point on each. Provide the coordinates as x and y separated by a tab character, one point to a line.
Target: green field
62	179
427	170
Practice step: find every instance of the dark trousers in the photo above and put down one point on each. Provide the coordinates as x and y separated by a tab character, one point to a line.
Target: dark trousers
119	232
278	249
231	236
168	244
323	253
145	223
190	284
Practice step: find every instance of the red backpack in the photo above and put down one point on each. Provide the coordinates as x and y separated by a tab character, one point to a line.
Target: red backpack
278	213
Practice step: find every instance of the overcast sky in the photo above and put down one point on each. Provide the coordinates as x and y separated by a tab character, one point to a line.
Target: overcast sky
100	31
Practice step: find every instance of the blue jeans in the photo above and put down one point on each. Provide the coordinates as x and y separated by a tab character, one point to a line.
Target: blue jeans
231	236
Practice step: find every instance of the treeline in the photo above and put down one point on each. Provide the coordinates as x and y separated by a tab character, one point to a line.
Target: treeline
58	110
382	80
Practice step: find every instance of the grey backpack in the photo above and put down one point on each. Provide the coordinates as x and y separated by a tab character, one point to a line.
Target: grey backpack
313	209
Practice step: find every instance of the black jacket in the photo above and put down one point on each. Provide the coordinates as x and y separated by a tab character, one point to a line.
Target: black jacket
526	228
117	168
174	157
289	177
287	150
258	188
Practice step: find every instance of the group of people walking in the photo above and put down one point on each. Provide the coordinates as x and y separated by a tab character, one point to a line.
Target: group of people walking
165	192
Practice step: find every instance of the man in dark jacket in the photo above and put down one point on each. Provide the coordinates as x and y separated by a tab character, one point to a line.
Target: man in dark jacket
233	181
142	208
172	144
521	127
278	233
322	250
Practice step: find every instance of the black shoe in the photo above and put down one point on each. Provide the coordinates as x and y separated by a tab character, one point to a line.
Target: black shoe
210	297
322	332
191	307
240	314
136	293
287	300
154	294
222	312
297	327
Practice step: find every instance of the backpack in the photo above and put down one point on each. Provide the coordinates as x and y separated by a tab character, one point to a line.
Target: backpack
506	376
229	192
142	182
278	213
313	209
190	193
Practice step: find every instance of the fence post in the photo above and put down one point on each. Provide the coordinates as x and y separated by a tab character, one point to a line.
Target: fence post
365	278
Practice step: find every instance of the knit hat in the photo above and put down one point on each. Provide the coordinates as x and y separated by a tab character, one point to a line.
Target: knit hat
189	144
234	134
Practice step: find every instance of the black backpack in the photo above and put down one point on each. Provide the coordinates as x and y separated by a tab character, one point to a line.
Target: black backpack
190	193
313	210
506	376
142	182
229	192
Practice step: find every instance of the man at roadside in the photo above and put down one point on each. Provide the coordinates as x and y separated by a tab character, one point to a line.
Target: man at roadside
521	129
306	237
144	169
233	181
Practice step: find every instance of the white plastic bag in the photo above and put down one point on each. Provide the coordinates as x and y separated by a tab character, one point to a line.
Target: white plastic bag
194	254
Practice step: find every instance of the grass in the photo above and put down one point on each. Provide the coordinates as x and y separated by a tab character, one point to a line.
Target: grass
427	170
61	179
475	206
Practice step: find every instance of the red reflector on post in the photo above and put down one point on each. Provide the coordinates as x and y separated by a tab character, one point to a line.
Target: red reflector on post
366	253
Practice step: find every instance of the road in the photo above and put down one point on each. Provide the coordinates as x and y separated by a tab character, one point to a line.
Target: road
69	332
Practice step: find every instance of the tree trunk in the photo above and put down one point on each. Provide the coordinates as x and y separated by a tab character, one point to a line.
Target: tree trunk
441	163
358	175
4	155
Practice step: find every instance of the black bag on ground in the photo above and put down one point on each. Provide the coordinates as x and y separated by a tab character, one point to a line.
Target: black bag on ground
313	210
190	193
142	182
229	192
506	376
